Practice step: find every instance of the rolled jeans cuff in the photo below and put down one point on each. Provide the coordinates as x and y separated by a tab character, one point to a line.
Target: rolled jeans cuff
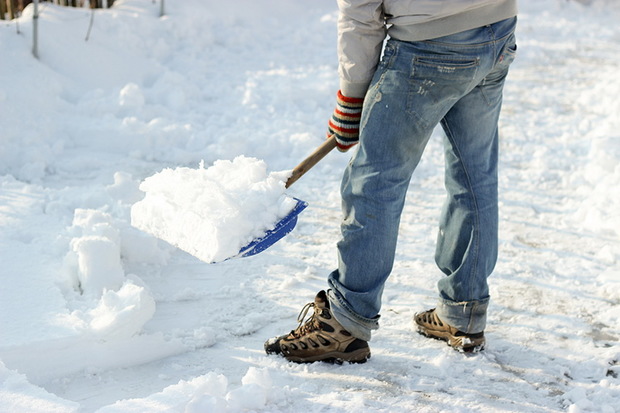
467	316
359	327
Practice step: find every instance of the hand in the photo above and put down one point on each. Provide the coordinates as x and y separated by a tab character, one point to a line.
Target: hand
345	122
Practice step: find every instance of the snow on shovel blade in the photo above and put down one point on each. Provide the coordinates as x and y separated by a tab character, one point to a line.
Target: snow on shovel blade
282	227
286	224
188	208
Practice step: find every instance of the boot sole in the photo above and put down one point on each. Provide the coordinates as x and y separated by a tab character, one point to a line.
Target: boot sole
358	356
460	343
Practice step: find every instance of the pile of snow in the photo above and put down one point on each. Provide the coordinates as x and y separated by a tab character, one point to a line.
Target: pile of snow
207	393
17	394
212	213
123	304
601	172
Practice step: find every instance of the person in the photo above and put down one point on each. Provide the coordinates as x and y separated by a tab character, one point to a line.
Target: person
444	62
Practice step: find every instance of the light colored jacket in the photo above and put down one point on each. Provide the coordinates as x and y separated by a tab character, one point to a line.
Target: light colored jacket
364	24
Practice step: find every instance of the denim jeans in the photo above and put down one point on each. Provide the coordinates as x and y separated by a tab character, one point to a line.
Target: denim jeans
455	81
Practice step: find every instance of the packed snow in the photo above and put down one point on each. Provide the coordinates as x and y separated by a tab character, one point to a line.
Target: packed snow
213	213
97	315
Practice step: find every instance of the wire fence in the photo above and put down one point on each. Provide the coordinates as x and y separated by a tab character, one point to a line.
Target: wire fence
10	9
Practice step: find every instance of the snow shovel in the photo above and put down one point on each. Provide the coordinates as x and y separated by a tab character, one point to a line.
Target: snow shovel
286	224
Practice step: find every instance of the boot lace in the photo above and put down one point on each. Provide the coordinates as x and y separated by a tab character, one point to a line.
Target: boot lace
311	324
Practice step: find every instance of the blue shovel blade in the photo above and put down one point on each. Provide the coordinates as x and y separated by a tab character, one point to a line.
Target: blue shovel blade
282	227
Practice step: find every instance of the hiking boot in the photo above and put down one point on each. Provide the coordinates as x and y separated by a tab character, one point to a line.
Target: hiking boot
319	338
430	325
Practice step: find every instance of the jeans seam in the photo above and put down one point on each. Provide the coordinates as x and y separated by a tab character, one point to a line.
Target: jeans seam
375	90
476	244
370	103
469	325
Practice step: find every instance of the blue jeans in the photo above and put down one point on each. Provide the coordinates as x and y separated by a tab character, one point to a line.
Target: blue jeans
457	81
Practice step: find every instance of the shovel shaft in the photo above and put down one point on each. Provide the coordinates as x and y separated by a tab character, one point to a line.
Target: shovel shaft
311	160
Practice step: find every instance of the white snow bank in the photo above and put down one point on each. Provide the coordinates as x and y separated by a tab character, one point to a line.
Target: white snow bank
600	174
98	314
122	313
207	393
46	361
111	304
18	395
212	213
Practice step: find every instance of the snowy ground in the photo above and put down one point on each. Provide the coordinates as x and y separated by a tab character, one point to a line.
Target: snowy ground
96	316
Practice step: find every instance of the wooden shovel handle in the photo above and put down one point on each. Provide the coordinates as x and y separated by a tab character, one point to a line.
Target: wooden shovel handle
311	160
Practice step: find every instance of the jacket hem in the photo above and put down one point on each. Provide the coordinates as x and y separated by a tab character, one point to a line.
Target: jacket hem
448	25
